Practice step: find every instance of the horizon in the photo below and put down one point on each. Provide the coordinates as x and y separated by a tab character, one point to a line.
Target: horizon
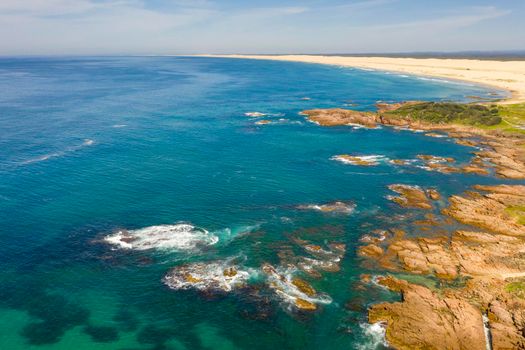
183	27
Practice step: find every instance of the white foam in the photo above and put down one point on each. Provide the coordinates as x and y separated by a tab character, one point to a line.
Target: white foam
218	275
178	237
375	334
335	207
280	281
486	330
254	114
373	159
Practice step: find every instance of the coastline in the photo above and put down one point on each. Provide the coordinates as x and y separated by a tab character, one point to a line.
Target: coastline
504	75
480	268
477	301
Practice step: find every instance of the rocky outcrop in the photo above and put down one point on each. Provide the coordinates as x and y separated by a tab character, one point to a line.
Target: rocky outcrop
492	264
505	151
338	116
491	211
426	320
411	196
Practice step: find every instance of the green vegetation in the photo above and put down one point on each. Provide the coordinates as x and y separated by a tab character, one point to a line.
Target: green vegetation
447	112
517	211
513	117
516	288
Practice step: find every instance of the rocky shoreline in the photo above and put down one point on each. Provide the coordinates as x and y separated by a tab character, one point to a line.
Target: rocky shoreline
480	301
501	152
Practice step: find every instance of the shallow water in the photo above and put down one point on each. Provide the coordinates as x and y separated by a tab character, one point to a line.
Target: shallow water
93	146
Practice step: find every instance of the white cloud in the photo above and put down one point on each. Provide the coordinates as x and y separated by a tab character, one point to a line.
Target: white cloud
185	26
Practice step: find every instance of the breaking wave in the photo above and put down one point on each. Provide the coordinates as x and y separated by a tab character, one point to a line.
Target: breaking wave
179	237
375	334
218	276
360	160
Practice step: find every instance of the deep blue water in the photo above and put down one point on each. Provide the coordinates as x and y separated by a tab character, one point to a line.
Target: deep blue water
89	146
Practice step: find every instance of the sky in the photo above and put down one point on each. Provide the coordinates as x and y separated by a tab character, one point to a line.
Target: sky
115	27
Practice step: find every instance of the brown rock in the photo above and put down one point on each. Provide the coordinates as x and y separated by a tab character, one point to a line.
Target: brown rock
305	305
303	286
424	320
410	196
491	211
433	194
338	116
370	250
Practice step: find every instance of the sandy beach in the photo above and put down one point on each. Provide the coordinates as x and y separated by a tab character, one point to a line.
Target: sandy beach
507	75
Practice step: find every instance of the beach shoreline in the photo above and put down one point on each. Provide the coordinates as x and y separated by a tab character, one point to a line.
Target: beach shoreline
503	75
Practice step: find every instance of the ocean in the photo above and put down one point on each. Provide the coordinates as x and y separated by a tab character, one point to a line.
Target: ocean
116	170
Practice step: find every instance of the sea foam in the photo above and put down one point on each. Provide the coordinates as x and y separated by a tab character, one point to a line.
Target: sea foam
215	276
375	334
178	237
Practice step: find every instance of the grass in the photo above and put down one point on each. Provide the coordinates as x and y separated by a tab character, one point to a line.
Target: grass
516	288
509	118
513	117
448	112
517	211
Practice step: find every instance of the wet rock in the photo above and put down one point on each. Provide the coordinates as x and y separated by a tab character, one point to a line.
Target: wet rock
334	207
410	196
433	194
305	305
370	250
303	286
358	160
208	277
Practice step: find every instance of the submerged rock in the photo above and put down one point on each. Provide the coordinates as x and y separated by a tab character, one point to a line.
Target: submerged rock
293	291
334	207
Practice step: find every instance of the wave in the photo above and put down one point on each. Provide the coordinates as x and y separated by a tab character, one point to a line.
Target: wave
360	160
444	81
335	207
293	293
178	237
255	114
375	334
86	143
239	231
215	276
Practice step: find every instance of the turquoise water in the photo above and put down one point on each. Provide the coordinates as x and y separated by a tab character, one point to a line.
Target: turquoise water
91	146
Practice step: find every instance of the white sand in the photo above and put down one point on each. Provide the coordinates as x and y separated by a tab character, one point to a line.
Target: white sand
506	75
